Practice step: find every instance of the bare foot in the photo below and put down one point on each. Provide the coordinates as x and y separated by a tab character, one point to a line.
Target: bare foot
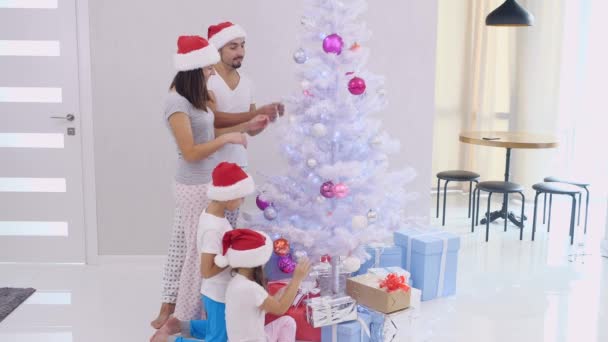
171	327
166	310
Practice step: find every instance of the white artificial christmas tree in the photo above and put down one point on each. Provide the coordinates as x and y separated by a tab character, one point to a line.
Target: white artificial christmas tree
338	193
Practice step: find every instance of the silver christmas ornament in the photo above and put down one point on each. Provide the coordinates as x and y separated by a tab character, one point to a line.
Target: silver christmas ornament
300	56
270	213
372	216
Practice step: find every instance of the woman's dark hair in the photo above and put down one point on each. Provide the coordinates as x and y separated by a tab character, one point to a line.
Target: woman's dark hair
191	85
258	275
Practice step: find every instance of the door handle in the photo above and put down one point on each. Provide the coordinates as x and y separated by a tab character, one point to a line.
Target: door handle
69	117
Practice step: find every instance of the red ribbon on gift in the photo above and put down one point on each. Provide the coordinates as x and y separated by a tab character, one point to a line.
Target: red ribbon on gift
394	282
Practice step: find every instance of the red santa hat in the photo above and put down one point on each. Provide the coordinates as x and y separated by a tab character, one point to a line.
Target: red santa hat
229	182
244	247
222	33
194	52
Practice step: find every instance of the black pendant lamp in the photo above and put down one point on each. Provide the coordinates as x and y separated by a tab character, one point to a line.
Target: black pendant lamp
510	13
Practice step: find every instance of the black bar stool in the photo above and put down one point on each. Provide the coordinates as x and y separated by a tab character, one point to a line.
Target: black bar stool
584	186
500	187
454	176
555	188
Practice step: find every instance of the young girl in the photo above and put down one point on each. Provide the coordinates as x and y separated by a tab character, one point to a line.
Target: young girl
230	184
247	302
191	123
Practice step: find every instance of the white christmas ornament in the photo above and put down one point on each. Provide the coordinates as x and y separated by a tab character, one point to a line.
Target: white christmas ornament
311	163
359	222
351	264
320	199
376	142
307	21
319	130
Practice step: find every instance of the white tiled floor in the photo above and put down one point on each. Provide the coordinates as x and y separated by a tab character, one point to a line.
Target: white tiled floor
508	290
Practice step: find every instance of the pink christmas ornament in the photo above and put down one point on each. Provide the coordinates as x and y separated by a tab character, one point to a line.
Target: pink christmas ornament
341	190
286	264
356	86
333	44
327	189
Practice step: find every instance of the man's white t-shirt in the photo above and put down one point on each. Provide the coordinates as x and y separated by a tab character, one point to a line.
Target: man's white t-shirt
209	237
246	320
238	100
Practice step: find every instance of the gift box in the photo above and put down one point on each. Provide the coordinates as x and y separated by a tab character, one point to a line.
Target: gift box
272	271
353	331
381	256
431	256
304	331
330	310
415	298
385	271
400	326
365	289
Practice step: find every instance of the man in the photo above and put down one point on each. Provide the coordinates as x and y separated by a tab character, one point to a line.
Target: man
233	90
234	94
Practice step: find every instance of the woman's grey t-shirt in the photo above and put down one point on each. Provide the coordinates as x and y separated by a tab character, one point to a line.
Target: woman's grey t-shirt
201	122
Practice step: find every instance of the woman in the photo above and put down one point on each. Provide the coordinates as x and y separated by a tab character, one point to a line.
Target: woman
191	123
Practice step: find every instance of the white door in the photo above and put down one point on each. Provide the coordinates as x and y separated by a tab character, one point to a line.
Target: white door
41	201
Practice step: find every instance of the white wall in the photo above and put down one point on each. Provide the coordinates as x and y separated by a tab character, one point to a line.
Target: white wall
132	43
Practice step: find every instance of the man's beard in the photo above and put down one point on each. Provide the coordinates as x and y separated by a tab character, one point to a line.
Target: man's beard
237	64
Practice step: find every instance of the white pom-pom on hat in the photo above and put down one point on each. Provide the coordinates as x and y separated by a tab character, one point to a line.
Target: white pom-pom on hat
221	261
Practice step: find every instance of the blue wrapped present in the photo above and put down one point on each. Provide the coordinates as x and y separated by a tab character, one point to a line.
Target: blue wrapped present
353	331
381	256
272	271
431	256
398	326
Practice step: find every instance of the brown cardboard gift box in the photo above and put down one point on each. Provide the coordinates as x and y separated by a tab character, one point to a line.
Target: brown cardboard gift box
365	290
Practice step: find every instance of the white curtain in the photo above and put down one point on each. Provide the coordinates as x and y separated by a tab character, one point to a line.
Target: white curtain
583	100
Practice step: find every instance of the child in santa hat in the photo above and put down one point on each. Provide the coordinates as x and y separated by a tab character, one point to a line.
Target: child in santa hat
246	251
230	184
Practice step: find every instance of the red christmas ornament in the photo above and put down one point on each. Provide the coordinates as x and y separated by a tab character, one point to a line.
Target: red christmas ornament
325	258
356	86
281	247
